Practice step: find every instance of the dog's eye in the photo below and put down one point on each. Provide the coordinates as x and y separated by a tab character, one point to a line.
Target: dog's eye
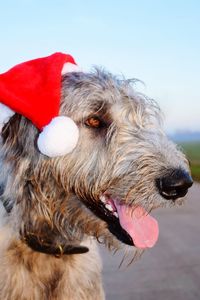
94	122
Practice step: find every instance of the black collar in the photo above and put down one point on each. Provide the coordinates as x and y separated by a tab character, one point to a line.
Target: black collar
48	248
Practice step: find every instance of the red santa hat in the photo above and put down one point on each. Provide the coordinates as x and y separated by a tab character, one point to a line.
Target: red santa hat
33	89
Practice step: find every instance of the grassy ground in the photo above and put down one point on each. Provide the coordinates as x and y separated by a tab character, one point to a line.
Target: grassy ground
192	150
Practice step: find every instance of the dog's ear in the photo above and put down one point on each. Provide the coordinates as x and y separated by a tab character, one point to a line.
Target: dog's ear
19	136
10	128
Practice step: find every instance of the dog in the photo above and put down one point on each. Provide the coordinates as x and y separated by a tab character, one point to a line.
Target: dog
54	209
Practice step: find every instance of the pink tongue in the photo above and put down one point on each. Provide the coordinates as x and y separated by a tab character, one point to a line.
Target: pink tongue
142	228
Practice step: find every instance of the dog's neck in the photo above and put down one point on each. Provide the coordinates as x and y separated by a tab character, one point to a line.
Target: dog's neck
46	246
40	276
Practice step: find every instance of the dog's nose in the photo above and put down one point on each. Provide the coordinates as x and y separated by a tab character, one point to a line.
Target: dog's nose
175	184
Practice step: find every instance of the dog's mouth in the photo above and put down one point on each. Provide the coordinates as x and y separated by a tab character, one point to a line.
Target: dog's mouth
132	225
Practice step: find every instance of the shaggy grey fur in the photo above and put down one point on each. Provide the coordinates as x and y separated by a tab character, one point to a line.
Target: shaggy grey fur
57	199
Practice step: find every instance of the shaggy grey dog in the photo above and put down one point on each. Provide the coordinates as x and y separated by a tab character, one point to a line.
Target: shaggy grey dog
53	210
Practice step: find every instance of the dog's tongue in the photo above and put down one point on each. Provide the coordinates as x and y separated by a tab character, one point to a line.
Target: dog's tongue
142	228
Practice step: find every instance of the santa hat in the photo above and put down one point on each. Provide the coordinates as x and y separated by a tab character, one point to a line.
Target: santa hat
33	89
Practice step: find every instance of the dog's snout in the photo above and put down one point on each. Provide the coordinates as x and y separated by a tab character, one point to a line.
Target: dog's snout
174	185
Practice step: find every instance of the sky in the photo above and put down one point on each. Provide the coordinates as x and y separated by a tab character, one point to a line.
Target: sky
155	41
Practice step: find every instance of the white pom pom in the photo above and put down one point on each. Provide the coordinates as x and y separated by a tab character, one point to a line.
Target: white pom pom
5	113
69	67
59	137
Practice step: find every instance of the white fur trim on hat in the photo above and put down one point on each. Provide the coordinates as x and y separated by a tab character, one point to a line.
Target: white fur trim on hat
5	113
69	67
59	137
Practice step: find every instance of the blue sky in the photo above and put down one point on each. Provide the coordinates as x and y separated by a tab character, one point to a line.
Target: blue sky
155	41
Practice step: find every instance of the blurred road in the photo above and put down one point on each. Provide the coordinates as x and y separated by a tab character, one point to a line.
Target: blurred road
169	271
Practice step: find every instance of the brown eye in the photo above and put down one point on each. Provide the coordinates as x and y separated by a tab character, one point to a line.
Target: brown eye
94	122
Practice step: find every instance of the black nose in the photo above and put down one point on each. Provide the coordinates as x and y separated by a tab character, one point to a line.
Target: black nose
175	184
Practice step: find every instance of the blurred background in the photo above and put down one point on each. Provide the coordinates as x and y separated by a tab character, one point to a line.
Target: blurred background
157	42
